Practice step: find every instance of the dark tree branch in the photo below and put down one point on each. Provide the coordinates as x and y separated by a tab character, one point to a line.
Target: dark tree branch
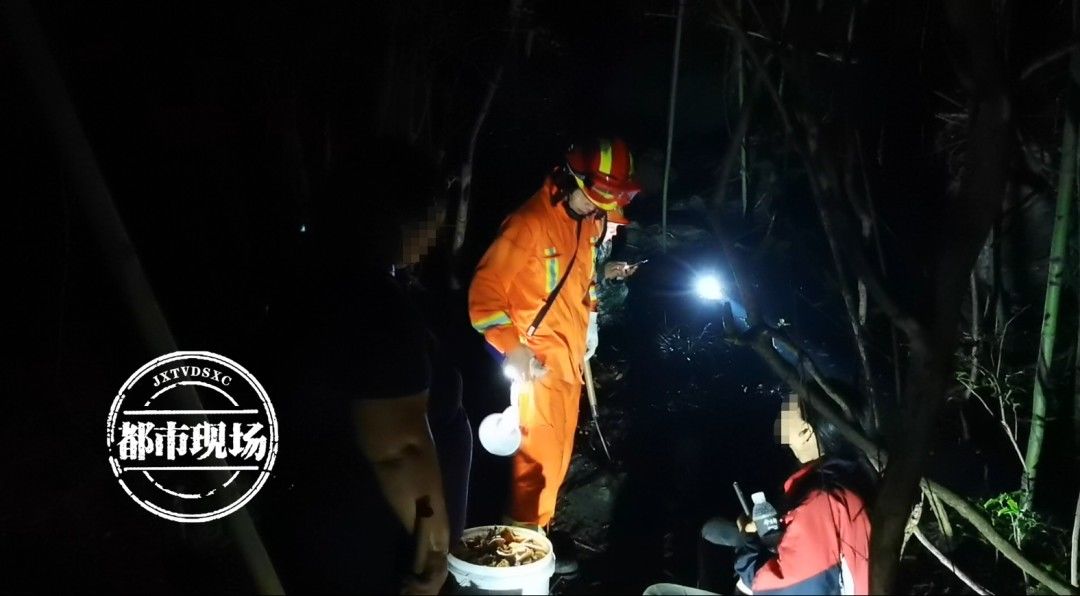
1047	59
780	339
727	164
947	562
761	339
826	212
876	233
896	314
759	64
781	45
983	525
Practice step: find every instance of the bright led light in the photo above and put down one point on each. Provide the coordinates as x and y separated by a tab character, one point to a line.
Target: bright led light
510	372
708	287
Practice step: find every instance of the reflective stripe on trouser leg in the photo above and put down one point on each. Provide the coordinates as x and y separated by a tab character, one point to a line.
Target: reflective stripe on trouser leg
548	422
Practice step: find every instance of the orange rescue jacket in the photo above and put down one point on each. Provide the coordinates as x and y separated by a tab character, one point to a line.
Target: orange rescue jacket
518	273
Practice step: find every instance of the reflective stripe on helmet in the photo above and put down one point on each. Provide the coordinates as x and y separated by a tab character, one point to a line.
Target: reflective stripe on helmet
603	170
604	200
605	157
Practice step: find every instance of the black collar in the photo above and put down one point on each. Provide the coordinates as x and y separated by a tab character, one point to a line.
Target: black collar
574	215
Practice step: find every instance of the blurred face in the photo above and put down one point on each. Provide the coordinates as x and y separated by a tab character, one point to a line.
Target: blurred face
795	432
419	237
581	203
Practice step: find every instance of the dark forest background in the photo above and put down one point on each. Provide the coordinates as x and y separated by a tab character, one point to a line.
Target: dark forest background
879	183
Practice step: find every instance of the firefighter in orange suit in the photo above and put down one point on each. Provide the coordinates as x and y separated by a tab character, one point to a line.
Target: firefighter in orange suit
547	248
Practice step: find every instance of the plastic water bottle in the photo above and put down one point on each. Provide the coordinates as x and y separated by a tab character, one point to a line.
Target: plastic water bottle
764	515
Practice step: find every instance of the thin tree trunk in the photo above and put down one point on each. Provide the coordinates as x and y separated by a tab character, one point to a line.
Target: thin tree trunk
876	233
1076	355
858	331
742	93
465	183
673	94
737	135
1000	295
1073	556
973	372
1076	397
1055	273
965	223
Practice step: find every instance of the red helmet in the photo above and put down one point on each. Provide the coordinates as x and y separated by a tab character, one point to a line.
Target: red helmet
604	170
617	217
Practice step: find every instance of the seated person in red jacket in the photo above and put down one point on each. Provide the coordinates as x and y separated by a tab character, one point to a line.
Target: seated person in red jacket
824	546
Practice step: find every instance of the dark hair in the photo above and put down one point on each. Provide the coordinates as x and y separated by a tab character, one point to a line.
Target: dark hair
564	182
842	465
369	193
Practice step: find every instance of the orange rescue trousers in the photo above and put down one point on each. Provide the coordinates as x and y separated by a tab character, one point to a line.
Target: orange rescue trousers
549	417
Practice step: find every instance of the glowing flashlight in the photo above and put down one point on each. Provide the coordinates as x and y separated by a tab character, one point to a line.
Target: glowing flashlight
708	288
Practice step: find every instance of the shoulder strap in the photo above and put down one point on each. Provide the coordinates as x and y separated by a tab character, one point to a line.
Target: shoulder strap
555	292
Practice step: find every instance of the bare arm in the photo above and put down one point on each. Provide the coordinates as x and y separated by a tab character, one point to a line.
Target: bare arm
393	435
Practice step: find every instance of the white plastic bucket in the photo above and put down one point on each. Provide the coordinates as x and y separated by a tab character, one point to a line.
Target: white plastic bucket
533	578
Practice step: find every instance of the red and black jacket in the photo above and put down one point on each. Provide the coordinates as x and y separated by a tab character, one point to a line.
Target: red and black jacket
824	548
